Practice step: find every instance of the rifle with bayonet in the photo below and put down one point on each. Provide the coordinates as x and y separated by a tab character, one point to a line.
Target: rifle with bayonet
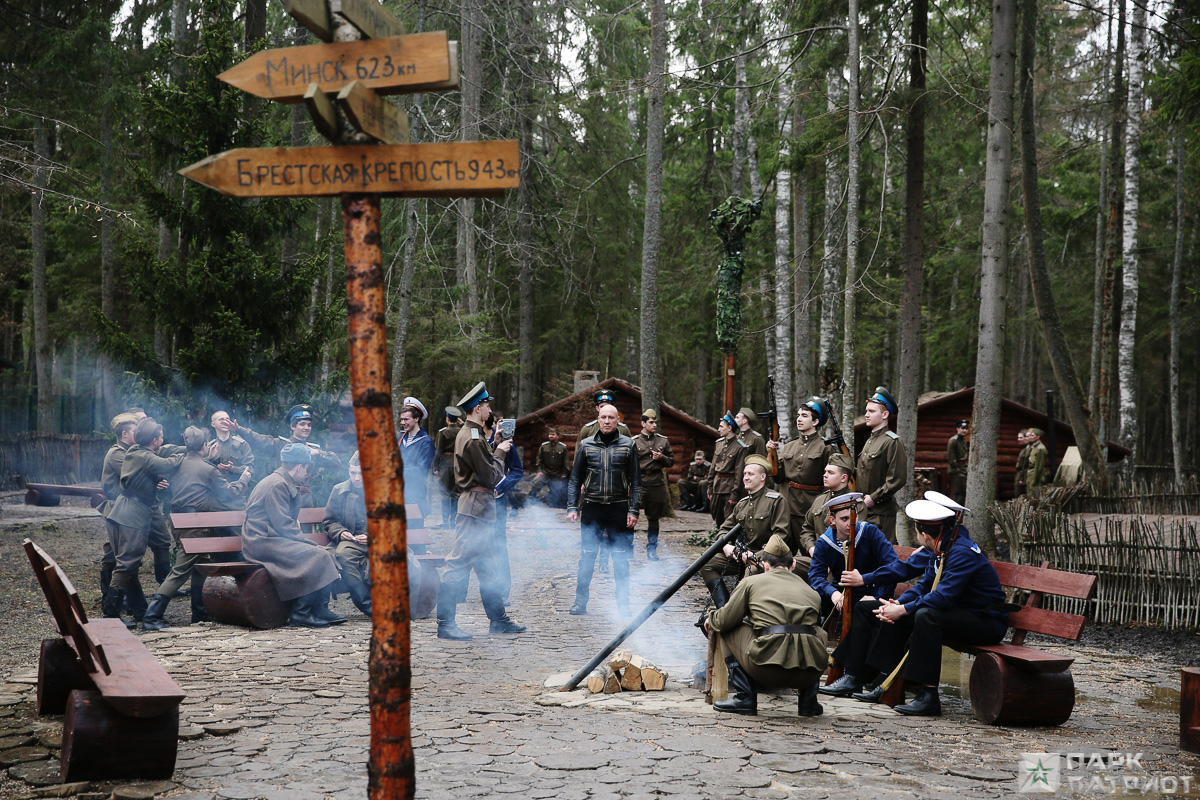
839	441
772	415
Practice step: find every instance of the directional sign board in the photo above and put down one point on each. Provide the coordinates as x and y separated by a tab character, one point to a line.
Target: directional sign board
373	115
394	65
449	169
369	16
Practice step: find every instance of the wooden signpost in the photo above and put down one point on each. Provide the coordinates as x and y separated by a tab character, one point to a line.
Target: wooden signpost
341	82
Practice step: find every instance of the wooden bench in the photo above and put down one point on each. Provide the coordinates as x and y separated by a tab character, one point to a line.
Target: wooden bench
1189	709
241	593
1012	684
50	494
121	707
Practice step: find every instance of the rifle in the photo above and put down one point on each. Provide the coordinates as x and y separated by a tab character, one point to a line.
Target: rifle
772	414
839	441
654	605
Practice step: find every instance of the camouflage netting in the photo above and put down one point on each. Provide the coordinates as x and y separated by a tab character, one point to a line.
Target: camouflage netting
732	220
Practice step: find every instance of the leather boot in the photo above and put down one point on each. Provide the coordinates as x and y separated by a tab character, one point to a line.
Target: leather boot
844	686
196	595
153	618
320	608
447	608
872	694
106	571
110	606
927	703
806	702
302	613
720	595
493	606
745	699
135	600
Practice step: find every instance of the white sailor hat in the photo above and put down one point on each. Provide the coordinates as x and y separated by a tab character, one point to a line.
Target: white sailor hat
943	500
927	511
843	501
417	404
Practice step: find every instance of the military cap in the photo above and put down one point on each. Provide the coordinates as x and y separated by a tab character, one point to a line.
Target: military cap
453	413
761	461
884	398
122	418
602	396
943	500
776	546
728	418
748	413
354	462
650	414
819	409
477	395
964	423
842	460
417	404
295	453
1036	432
843	501
299	412
700	453
927	511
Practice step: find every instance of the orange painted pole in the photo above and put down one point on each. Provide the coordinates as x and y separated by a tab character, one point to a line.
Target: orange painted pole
730	373
391	770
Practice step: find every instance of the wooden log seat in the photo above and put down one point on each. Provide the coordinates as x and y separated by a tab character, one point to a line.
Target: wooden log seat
50	494
241	593
121	707
1189	709
1011	684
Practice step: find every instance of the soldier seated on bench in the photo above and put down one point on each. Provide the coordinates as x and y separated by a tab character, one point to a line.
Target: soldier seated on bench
345	524
300	570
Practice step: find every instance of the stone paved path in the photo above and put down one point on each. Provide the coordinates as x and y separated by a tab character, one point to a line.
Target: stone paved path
283	713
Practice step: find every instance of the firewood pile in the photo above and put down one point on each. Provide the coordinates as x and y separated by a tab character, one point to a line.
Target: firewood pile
626	672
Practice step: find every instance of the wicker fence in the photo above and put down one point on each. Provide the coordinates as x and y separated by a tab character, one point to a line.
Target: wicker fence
1148	569
50	458
1138	496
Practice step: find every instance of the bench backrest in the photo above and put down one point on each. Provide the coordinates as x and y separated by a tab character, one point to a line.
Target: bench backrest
417	534
1039	582
65	605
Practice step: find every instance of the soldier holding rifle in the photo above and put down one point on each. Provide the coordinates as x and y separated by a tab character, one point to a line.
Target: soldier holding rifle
872	551
882	464
729	459
801	467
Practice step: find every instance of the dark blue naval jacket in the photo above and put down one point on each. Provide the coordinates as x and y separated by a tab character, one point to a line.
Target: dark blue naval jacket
905	571
968	582
874	557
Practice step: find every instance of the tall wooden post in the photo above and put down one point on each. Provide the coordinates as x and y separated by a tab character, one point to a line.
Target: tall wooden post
730	374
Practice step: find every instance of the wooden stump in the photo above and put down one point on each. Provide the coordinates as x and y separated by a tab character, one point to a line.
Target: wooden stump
59	673
1003	694
34	497
423	586
1189	709
242	594
100	744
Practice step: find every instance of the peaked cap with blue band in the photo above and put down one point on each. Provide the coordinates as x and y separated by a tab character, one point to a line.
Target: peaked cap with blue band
474	397
299	412
882	396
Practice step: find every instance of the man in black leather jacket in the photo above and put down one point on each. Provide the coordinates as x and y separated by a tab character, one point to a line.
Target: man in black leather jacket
603	491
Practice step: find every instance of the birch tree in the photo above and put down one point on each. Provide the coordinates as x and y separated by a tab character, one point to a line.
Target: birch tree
783	265
1177	436
831	248
652	227
849	374
802	327
989	354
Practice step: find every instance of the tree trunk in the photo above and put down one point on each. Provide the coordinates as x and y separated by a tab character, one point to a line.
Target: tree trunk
1116	169
526	400
802	326
291	238
783	266
849	367
43	348
914	253
989	357
1098	281
652	227
1061	361
741	125
471	77
108	270
1177	436
831	274
1127	406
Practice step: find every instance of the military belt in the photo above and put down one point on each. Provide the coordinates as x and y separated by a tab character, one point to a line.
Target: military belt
808	630
804	487
480	489
726	474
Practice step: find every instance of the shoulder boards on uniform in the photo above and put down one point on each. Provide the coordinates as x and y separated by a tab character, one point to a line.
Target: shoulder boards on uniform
893	434
237	438
975	549
743	444
474	433
773	494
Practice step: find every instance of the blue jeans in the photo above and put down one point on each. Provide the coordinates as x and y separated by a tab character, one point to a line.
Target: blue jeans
604	523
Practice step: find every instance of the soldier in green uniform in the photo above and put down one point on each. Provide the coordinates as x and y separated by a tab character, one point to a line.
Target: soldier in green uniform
1022	471
770	635
654	459
123	426
751	440
1037	471
724	476
601	397
345	523
836	480
801	467
762	512
551	466
882	465
693	486
443	464
300	420
958	451
227	451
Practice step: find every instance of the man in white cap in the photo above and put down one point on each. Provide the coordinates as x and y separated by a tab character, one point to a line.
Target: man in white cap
478	470
416	451
958	599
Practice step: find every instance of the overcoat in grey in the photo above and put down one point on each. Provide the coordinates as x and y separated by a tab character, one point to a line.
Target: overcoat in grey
271	537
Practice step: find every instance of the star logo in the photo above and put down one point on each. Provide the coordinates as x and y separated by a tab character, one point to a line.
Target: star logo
1038	773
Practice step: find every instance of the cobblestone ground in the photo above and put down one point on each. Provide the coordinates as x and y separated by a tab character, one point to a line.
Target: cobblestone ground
284	713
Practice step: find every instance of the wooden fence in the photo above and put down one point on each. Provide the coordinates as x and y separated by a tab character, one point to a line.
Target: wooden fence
1138	496
50	458
1148	569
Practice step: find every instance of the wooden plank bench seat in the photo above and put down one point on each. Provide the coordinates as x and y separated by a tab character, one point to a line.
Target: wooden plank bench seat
1010	683
121	707
241	593
51	494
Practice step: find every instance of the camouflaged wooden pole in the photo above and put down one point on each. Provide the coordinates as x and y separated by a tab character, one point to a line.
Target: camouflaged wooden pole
391	770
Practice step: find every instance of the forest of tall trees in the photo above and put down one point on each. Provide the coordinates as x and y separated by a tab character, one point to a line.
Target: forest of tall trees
897	243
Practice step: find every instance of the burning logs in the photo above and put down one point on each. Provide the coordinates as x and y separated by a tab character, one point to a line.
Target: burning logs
626	671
